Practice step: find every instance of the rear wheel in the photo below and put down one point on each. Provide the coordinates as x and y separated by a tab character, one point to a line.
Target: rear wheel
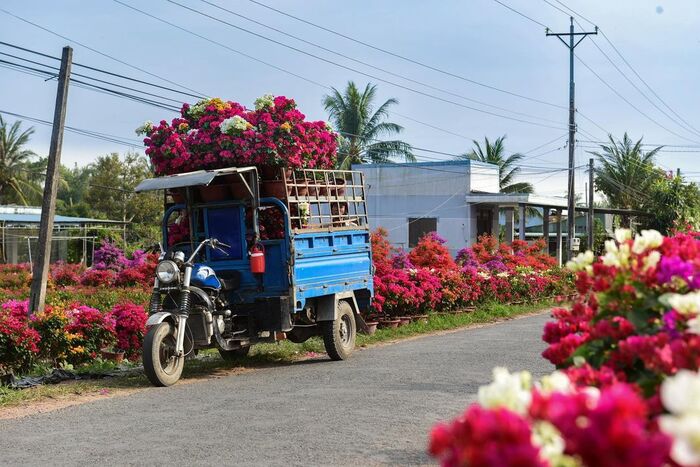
160	361
339	335
233	355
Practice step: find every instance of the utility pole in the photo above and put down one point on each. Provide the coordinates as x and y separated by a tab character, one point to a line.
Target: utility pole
591	219
571	208
37	297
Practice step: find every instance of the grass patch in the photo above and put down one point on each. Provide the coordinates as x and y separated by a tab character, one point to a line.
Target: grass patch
208	361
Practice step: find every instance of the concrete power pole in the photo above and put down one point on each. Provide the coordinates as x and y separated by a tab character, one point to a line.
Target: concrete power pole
591	219
571	45
37	297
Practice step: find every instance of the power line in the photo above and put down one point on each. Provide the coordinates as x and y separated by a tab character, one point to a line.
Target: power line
629	65
405	58
361	62
92	49
521	14
354	70
83	132
617	93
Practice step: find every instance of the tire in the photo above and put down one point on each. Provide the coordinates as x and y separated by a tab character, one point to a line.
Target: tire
339	335
234	355
159	363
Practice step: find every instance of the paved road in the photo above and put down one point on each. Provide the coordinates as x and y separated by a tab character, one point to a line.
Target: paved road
373	409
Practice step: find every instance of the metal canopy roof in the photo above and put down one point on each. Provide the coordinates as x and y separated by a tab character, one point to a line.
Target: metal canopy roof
198	178
36	219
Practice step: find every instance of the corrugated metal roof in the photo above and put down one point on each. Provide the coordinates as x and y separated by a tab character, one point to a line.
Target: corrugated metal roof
36	218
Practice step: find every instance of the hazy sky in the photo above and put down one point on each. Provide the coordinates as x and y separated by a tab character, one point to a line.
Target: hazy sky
476	39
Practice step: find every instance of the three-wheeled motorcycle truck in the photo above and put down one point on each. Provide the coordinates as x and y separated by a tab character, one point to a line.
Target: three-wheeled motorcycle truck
236	268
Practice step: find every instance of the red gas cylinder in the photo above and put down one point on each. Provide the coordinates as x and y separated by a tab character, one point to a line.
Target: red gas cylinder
257	259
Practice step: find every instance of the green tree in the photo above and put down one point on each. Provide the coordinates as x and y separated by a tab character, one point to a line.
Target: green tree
495	153
625	173
110	195
671	203
17	179
361	126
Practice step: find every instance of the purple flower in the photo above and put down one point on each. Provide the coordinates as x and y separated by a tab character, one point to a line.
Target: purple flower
673	266
401	261
495	265
670	319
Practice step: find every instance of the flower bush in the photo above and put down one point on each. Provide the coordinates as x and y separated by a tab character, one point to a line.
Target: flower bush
91	331
130	327
628	352
18	342
428	278
214	134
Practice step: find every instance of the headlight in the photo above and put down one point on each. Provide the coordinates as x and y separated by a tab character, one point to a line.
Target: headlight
167	272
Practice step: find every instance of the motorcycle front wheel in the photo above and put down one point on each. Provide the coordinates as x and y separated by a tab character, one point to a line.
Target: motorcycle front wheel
160	361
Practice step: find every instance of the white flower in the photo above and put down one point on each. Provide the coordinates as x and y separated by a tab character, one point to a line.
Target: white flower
684	304
579	361
234	124
502	274
146	128
193	131
651	260
680	395
622	235
264	102
197	110
648	239
694	325
555	382
582	262
615	255
547	437
685	432
511	391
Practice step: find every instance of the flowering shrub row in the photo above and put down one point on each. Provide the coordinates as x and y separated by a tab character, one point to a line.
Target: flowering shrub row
213	134
429	278
73	334
111	267
627	390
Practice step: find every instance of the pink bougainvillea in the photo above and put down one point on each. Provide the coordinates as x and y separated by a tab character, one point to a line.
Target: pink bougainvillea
214	134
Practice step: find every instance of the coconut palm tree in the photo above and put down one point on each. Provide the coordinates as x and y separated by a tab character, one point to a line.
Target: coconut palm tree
361	127
625	172
494	153
16	180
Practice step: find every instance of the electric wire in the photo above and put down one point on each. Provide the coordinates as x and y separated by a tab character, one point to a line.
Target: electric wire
361	62
405	58
92	49
354	70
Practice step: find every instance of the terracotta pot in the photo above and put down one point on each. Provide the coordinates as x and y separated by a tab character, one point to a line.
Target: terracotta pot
238	190
113	356
302	190
371	327
213	193
269	172
339	188
313	187
275	189
389	323
405	320
323	191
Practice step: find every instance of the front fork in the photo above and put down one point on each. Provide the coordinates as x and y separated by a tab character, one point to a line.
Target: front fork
185	299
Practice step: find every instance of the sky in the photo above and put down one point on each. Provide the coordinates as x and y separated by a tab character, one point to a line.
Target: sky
474	40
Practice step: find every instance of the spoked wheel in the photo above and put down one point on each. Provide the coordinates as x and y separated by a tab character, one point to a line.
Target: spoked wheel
160	362
339	335
234	355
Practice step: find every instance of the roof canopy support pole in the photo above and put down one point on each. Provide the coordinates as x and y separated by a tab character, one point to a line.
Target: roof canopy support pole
559	237
495	224
521	226
510	214
545	228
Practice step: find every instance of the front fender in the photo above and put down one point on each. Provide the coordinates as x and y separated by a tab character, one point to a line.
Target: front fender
157	318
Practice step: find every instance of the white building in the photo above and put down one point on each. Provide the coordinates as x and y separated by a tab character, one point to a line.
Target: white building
458	199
